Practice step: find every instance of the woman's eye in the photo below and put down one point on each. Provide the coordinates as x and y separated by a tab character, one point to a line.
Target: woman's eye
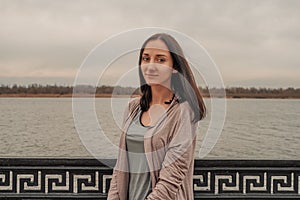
145	58
161	60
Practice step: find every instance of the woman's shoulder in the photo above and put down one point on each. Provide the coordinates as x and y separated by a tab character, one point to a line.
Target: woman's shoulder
133	104
134	101
130	108
185	106
184	110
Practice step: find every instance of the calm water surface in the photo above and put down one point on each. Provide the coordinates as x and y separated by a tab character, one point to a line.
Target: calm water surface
44	127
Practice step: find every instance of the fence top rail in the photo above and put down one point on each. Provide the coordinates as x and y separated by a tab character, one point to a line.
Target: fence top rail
104	162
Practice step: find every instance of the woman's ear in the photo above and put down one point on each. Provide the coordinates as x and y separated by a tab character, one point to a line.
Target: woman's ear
174	71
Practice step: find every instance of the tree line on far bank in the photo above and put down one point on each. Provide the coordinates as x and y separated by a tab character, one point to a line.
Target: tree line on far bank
231	92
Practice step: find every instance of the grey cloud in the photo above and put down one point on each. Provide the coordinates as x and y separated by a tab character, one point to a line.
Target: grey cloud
239	34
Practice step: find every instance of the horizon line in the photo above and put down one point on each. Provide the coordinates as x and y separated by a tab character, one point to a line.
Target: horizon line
108	85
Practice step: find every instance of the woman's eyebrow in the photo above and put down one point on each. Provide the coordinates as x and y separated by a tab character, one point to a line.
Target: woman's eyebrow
161	55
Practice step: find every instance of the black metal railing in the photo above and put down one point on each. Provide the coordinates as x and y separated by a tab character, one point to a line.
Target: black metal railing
37	178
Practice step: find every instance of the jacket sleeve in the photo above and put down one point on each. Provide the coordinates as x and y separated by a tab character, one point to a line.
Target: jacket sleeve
113	191
178	158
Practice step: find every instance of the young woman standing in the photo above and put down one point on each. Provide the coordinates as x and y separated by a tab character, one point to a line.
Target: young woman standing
157	144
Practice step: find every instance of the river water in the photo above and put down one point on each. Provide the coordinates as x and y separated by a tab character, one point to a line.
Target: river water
44	127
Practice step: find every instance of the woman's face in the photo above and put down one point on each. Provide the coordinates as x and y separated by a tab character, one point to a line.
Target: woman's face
157	64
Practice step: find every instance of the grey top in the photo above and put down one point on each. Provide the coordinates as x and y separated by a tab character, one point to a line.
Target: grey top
139	181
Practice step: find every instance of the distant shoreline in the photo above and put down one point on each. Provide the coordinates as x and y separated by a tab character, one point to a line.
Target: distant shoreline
55	91
59	95
235	96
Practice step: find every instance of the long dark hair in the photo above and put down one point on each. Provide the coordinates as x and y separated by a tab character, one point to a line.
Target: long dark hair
182	83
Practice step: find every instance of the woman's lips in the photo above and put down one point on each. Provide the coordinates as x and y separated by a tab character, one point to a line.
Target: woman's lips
151	75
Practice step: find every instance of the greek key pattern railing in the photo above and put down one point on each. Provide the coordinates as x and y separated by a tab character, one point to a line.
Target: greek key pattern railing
90	179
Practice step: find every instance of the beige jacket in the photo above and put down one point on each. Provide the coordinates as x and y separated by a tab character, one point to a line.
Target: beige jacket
169	148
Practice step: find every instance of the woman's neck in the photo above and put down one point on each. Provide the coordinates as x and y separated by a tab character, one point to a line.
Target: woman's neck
160	94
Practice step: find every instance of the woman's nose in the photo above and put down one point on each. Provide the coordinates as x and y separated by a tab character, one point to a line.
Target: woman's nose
151	67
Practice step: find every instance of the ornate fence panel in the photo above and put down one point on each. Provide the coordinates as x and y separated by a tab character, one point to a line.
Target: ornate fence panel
247	179
90	179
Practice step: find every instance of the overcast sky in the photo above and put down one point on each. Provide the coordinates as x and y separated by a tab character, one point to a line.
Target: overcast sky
253	42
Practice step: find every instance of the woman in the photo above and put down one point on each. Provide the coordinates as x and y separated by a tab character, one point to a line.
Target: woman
156	154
